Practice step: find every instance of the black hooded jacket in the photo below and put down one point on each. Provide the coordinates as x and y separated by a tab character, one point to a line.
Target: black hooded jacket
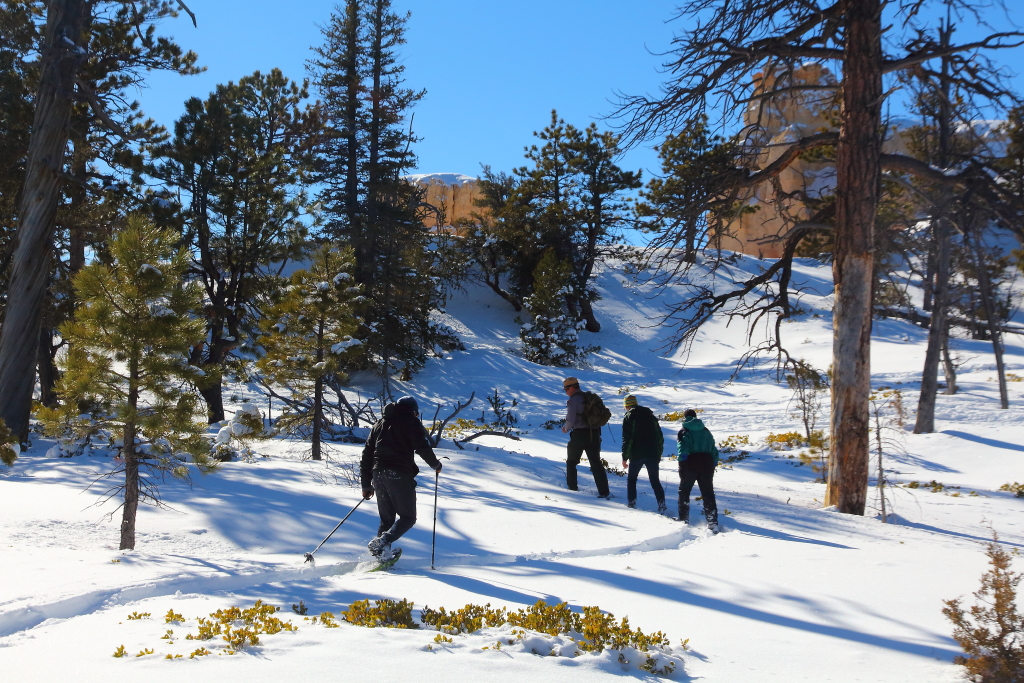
392	442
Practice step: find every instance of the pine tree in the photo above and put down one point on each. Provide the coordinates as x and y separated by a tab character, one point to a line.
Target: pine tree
127	370
309	339
602	183
241	157
552	336
569	199
19	35
685	200
365	150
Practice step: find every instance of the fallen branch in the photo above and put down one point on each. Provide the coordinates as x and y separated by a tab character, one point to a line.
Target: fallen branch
486	432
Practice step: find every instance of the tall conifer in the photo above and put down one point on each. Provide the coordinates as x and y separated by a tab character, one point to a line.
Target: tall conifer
364	154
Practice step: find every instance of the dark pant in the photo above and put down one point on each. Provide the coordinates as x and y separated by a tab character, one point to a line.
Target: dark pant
699	468
652	473
585	441
396	495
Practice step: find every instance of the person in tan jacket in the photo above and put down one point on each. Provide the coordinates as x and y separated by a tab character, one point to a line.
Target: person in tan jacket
582	439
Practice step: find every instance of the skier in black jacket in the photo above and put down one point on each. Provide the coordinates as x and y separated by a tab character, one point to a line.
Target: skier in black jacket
389	470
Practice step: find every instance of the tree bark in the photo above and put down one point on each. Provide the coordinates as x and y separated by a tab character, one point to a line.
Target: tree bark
131	462
37	209
213	395
318	416
947	363
988	302
937	331
587	310
858	174
131	489
48	372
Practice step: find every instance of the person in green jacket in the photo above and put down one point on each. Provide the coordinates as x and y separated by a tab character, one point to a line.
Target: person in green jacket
698	457
642	445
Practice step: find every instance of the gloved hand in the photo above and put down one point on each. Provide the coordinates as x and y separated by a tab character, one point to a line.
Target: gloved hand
438	468
367	494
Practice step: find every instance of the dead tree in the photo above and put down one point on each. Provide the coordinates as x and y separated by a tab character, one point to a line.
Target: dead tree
725	62
437	426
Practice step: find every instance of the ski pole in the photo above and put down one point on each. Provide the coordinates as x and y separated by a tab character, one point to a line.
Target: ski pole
309	556
433	538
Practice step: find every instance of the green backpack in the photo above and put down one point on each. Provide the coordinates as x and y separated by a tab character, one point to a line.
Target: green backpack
594	411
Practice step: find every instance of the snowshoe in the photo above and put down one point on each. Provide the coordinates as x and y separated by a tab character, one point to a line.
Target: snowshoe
384	565
379	548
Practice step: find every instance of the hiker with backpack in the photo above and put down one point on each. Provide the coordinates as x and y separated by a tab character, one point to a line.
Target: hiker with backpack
584	417
388	469
642	446
698	457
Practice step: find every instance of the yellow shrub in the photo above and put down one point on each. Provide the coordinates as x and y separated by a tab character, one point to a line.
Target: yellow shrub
785	441
386	613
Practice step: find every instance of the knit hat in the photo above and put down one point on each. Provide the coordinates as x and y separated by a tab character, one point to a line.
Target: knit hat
630	402
409	403
569	381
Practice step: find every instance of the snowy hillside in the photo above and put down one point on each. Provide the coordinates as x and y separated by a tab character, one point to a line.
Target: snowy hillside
788	592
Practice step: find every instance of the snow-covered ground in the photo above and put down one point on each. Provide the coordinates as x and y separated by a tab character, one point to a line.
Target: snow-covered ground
788	592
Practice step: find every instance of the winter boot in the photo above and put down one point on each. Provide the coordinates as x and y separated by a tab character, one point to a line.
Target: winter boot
380	548
662	508
606	496
631	505
684	513
712	517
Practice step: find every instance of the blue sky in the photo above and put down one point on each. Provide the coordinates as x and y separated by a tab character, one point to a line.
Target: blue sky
493	70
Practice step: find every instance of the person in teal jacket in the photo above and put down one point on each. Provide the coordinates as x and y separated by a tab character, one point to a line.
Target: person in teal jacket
642	446
698	456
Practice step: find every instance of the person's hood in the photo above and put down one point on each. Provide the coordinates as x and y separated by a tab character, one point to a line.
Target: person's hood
694	424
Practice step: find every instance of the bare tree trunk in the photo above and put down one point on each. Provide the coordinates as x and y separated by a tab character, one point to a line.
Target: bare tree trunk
937	331
587	310
947	363
881	469
131	463
131	489
858	173
988	302
927	285
213	395
19	337
318	405
48	372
